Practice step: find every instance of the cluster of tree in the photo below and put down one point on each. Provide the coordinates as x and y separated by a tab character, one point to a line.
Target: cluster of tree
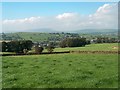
38	49
74	42
49	47
4	36
106	40
17	46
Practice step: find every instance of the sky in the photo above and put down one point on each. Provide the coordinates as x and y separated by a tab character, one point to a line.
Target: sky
58	16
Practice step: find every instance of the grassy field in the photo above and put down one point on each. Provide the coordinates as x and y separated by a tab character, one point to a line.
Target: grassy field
60	71
92	47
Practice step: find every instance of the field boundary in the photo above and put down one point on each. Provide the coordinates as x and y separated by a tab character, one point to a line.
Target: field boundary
79	52
99	52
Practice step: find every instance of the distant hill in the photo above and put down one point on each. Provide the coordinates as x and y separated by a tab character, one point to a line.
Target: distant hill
89	31
57	36
34	36
42	30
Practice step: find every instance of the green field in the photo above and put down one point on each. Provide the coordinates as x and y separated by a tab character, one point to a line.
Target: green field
93	47
37	36
62	70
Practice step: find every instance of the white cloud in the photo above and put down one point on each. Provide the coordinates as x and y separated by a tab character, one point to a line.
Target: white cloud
31	19
105	17
66	16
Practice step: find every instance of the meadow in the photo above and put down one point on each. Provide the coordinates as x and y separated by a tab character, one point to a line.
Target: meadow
92	47
61	70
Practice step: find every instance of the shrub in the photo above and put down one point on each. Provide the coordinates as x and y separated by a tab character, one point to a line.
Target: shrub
38	49
50	48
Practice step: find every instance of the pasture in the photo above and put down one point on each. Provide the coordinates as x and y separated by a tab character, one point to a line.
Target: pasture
60	71
92	47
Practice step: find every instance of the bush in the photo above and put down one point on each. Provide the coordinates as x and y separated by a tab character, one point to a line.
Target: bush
38	49
50	48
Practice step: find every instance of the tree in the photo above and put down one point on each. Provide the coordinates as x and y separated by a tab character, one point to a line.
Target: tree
0	46
63	43
73	42
4	46
19	46
50	47
38	49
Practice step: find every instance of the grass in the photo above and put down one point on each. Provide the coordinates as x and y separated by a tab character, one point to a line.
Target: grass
7	52
92	47
60	71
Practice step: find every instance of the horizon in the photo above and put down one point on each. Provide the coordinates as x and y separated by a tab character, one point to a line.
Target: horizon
58	16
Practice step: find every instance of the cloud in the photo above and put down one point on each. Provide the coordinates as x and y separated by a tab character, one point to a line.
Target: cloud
31	19
105	17
66	16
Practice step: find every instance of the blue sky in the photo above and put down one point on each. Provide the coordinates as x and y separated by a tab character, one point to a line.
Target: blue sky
58	16
15	10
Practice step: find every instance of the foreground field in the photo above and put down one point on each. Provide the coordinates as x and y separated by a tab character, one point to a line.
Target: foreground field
61	70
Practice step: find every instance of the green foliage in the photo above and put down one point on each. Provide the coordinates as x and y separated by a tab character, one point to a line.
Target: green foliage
50	47
38	49
4	46
73	42
17	46
106	40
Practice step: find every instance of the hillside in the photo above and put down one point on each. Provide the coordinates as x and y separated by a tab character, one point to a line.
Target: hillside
38	36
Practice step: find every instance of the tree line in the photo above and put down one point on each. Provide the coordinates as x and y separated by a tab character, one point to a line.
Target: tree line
74	42
16	46
23	46
106	40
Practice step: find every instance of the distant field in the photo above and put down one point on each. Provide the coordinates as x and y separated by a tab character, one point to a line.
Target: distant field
36	36
93	47
60	71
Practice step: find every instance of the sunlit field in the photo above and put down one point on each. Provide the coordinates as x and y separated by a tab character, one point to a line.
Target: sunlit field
93	47
62	70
